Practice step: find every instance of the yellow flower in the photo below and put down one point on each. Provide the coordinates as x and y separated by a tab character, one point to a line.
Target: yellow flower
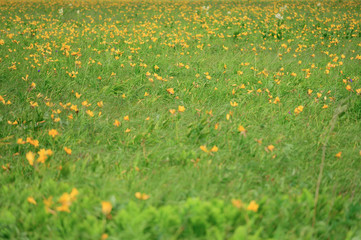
170	91
20	141
48	203
348	88
241	128
233	104
270	148
30	156
181	108
172	111
106	207
67	150
277	100
77	95
53	133
253	206
33	142
116	123
90	113
325	106
126	118
74	192
104	236
31	200
43	155
338	155
237	203
63	208
100	104
214	149
298	109
204	148
141	196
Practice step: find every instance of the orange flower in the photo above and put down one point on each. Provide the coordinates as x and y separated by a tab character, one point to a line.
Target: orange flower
338	155
106	207
141	196
90	113
170	91
270	148
181	108
30	156
53	133
204	148
253	206
241	129
298	109
31	200
67	150
116	123
214	149
100	104
237	203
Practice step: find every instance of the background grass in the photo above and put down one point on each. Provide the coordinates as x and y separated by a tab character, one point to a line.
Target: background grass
120	50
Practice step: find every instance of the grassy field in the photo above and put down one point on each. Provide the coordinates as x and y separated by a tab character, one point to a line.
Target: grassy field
180	120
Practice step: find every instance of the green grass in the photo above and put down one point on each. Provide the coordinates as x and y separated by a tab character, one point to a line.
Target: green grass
251	57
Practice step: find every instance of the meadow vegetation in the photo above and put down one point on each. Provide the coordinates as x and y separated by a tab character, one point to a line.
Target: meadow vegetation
180	119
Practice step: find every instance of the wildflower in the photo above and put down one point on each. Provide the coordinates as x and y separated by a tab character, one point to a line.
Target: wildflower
116	123
298	109
20	141
325	106
100	104
233	104
172	111
53	133
277	100
33	142
67	150
48	203
253	206
30	156
170	91
31	200
126	118
43	155
106	208
61	11
181	108
90	113
214	149
279	16
237	203
242	130
204	148
270	148
141	196
338	155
